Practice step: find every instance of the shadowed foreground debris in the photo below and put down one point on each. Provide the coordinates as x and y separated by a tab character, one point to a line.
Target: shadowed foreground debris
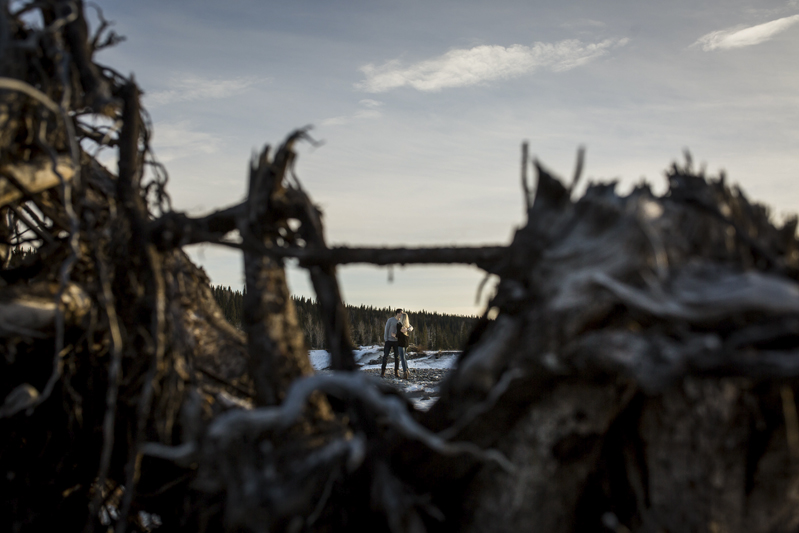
639	374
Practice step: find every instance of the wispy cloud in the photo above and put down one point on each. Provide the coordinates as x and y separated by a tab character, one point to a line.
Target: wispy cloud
174	140
191	87
369	103
462	67
741	36
369	111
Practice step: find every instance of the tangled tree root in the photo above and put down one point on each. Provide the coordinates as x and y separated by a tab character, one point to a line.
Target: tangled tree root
637	372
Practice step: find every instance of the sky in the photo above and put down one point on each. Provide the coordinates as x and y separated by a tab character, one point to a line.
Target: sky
422	108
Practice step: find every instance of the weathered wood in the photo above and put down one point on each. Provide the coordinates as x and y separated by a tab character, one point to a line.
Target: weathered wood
633	297
177	229
30	311
325	284
277	352
639	374
32	177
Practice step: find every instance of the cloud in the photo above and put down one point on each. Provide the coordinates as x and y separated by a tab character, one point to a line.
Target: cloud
174	140
741	36
463	67
368	102
370	112
337	121
188	88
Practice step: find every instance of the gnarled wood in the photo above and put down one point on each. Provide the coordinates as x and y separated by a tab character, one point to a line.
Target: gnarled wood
638	371
33	177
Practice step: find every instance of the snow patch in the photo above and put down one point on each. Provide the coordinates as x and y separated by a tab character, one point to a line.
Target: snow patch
431	360
320	359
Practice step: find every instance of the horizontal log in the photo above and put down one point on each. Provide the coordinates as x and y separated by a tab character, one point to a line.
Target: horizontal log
176	229
482	256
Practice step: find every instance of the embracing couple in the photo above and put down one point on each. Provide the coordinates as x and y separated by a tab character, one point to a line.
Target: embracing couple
396	336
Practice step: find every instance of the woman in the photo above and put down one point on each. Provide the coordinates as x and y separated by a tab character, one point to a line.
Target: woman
403	335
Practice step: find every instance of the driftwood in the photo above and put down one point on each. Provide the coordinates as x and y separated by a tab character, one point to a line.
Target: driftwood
635	370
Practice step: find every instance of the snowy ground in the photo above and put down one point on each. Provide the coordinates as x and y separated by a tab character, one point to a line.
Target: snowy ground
365	355
426	370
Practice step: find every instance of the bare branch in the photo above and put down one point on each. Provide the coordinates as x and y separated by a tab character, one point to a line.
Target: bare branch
486	257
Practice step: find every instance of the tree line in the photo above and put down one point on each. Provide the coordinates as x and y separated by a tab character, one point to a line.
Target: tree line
432	331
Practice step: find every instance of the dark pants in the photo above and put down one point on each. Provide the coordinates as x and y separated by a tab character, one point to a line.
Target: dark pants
386	351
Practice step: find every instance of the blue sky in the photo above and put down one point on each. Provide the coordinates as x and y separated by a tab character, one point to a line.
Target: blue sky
422	107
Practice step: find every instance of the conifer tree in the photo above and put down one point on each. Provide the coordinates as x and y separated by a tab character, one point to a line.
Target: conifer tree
432	331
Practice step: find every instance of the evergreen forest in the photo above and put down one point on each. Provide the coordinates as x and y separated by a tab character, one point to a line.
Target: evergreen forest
432	331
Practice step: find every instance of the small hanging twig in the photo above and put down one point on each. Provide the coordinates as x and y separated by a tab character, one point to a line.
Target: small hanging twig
525	164
578	169
481	287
